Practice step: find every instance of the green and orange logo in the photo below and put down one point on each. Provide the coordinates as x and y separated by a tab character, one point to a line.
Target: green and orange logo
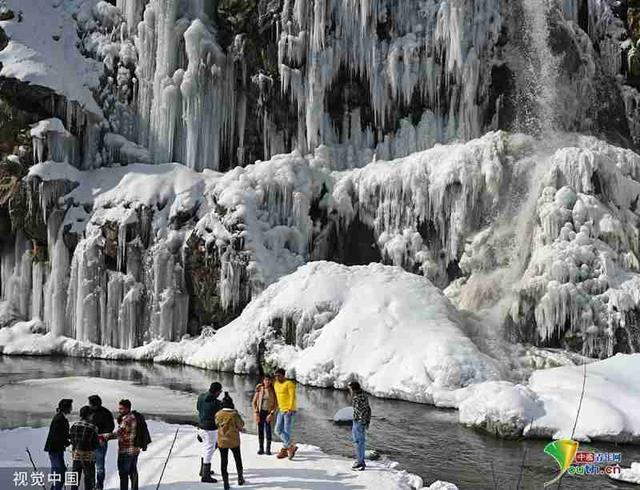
563	451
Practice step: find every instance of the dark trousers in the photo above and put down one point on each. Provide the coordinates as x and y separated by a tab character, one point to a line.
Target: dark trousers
128	470
58	466
264	428
89	470
224	460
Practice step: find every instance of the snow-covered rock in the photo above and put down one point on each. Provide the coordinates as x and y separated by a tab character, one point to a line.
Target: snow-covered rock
344	415
500	408
548	405
328	323
442	485
51	58
629	475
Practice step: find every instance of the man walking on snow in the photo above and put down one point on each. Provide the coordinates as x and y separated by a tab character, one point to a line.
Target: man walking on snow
208	405
286	396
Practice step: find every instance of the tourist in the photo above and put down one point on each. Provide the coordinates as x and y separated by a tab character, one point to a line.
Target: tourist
264	408
285	390
127	450
229	425
208	405
361	420
103	420
58	440
84	442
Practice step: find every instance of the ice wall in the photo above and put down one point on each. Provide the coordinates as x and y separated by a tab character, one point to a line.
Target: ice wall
405	55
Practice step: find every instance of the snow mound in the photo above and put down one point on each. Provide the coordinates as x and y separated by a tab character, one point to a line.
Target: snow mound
500	408
343	415
611	406
442	485
548	405
327	323
52	58
629	475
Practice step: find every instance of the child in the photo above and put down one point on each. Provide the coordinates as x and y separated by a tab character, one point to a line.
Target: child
264	407
229	425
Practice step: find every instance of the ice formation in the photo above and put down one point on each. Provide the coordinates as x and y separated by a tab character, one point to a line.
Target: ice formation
301	131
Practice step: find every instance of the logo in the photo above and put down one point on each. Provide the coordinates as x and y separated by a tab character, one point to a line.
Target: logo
563	451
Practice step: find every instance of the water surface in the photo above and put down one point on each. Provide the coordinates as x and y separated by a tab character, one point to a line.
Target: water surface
424	440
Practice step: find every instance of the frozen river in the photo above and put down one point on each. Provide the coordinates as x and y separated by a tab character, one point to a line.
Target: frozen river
424	440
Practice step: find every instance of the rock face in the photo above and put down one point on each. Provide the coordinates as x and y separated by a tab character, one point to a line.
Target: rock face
360	111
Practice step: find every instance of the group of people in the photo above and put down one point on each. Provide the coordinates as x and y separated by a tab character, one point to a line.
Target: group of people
89	438
219	426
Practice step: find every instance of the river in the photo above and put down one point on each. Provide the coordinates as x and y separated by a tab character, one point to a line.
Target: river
424	440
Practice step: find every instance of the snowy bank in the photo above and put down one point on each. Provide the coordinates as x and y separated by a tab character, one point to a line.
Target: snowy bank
310	469
629	475
547	407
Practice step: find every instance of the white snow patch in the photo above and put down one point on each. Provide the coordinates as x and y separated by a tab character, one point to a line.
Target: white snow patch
629	475
344	415
311	467
548	405
52	57
328	323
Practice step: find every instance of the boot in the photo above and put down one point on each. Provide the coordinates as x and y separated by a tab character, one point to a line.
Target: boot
240	479
268	452
225	481
201	463
260	447
282	454
292	451
206	474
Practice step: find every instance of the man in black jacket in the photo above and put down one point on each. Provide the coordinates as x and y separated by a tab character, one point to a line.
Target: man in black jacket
103	419
84	442
207	406
58	440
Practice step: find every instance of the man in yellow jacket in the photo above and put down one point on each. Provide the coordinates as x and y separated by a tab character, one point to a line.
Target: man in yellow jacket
286	396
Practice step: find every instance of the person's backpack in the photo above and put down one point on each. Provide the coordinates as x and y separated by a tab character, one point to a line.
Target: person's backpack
143	438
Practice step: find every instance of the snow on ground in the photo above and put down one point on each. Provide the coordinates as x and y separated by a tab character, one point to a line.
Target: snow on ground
611	405
51	58
311	469
548	405
629	475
